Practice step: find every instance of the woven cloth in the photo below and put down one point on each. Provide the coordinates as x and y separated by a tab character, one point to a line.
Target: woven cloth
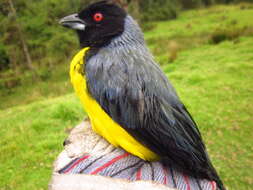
116	163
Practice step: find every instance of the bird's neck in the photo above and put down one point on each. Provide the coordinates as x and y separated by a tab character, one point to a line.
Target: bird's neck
131	36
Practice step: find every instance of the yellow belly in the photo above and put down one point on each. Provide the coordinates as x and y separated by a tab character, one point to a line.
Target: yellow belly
100	120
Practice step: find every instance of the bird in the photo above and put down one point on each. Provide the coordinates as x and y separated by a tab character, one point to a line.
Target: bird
127	97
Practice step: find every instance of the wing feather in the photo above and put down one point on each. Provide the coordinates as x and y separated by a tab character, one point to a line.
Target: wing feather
137	95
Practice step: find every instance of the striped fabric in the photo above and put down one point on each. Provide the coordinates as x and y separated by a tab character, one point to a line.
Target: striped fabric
120	164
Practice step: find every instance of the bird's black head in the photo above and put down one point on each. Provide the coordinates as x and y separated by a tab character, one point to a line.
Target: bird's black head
97	24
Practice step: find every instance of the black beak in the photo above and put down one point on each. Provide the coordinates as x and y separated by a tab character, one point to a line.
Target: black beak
73	21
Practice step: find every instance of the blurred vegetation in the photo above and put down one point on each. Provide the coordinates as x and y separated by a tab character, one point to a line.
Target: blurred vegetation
206	52
49	44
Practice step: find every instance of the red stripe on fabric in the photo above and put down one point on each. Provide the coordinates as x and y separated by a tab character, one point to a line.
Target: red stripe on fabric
109	163
76	163
187	182
165	172
213	183
138	175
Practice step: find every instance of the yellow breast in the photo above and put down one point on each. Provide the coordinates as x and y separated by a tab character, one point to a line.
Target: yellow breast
100	120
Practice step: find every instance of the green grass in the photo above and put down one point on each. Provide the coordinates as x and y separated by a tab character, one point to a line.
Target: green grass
214	81
204	21
31	138
216	84
56	84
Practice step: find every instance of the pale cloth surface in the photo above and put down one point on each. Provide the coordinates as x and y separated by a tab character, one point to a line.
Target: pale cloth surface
87	153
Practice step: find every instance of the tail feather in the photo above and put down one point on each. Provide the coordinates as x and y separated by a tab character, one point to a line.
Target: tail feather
207	172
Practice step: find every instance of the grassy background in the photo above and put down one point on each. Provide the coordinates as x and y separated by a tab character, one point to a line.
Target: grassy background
213	78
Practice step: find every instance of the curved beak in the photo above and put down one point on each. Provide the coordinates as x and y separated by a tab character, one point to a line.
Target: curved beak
73	21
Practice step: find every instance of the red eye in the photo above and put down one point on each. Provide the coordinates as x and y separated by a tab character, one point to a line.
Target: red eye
98	17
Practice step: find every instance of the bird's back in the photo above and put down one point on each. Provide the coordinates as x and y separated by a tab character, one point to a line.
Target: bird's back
131	88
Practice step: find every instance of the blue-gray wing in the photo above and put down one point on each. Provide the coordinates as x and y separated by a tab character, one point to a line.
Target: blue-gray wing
136	94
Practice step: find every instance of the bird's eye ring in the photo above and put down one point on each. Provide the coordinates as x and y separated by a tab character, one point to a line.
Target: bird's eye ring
98	17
